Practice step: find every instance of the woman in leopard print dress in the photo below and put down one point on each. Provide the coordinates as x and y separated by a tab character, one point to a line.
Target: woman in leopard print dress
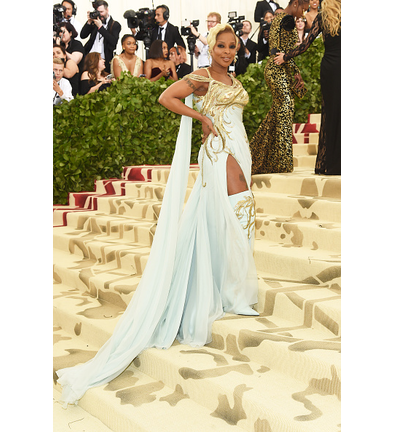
271	146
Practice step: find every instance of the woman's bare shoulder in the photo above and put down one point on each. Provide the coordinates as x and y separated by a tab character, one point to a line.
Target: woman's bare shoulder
200	72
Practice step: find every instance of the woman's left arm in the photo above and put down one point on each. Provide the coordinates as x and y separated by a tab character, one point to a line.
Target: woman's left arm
316	29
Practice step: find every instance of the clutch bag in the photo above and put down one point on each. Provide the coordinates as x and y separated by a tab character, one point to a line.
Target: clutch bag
299	92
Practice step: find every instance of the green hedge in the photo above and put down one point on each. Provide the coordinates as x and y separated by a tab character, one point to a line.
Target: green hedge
96	135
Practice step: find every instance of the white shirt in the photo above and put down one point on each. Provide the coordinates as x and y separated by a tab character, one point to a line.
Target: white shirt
65	85
245	43
98	44
272	5
163	31
203	59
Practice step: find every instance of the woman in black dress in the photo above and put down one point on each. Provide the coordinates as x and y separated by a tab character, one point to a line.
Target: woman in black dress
329	23
94	78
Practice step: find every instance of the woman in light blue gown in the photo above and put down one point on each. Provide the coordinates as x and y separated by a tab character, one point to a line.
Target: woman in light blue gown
201	262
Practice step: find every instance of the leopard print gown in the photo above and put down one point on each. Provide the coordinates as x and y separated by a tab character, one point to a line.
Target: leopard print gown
271	145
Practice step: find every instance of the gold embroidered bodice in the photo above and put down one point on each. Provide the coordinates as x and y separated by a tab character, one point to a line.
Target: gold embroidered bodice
219	96
223	104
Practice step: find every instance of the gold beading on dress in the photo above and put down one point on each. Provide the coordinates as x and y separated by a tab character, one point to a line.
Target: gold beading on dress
214	103
246	209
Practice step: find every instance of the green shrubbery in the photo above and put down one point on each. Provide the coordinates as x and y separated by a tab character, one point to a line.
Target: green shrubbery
96	135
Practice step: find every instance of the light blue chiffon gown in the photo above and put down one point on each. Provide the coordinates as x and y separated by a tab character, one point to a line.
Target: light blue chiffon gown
201	262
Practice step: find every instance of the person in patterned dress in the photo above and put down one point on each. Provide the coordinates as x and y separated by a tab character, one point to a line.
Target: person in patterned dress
271	145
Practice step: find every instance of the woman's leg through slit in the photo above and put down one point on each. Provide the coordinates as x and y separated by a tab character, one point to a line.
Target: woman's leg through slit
236	181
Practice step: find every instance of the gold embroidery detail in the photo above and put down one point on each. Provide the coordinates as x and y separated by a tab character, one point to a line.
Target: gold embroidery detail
243	208
215	102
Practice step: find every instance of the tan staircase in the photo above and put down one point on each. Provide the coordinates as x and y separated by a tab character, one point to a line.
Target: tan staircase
273	373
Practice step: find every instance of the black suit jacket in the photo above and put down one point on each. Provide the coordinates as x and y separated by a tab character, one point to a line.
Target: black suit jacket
263	48
172	35
260	9
252	47
110	35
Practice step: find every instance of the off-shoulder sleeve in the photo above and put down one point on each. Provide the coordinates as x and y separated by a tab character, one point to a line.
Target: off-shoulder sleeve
316	29
195	77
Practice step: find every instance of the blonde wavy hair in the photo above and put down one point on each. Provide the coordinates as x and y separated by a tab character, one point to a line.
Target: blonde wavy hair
331	16
215	31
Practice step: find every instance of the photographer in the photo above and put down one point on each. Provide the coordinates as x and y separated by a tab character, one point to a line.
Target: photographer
103	32
74	48
164	30
250	46
61	86
263	36
262	7
69	16
201	48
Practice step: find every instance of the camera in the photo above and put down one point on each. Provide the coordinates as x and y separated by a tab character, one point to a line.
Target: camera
264	25
94	15
144	19
236	22
57	14
186	29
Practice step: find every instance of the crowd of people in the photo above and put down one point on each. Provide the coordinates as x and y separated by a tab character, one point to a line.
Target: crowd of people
168	60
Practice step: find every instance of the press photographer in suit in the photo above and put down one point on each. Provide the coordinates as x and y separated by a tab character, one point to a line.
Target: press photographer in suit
164	30
250	46
103	32
263	6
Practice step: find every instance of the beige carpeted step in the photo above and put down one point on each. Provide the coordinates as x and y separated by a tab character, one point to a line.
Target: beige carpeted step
298	263
299	232
305	149
75	418
315	234
301	161
301	181
291	321
213	376
133	401
298	206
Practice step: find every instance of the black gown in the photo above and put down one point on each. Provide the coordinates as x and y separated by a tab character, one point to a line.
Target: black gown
329	147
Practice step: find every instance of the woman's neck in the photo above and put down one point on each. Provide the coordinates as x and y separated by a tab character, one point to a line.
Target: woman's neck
218	69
